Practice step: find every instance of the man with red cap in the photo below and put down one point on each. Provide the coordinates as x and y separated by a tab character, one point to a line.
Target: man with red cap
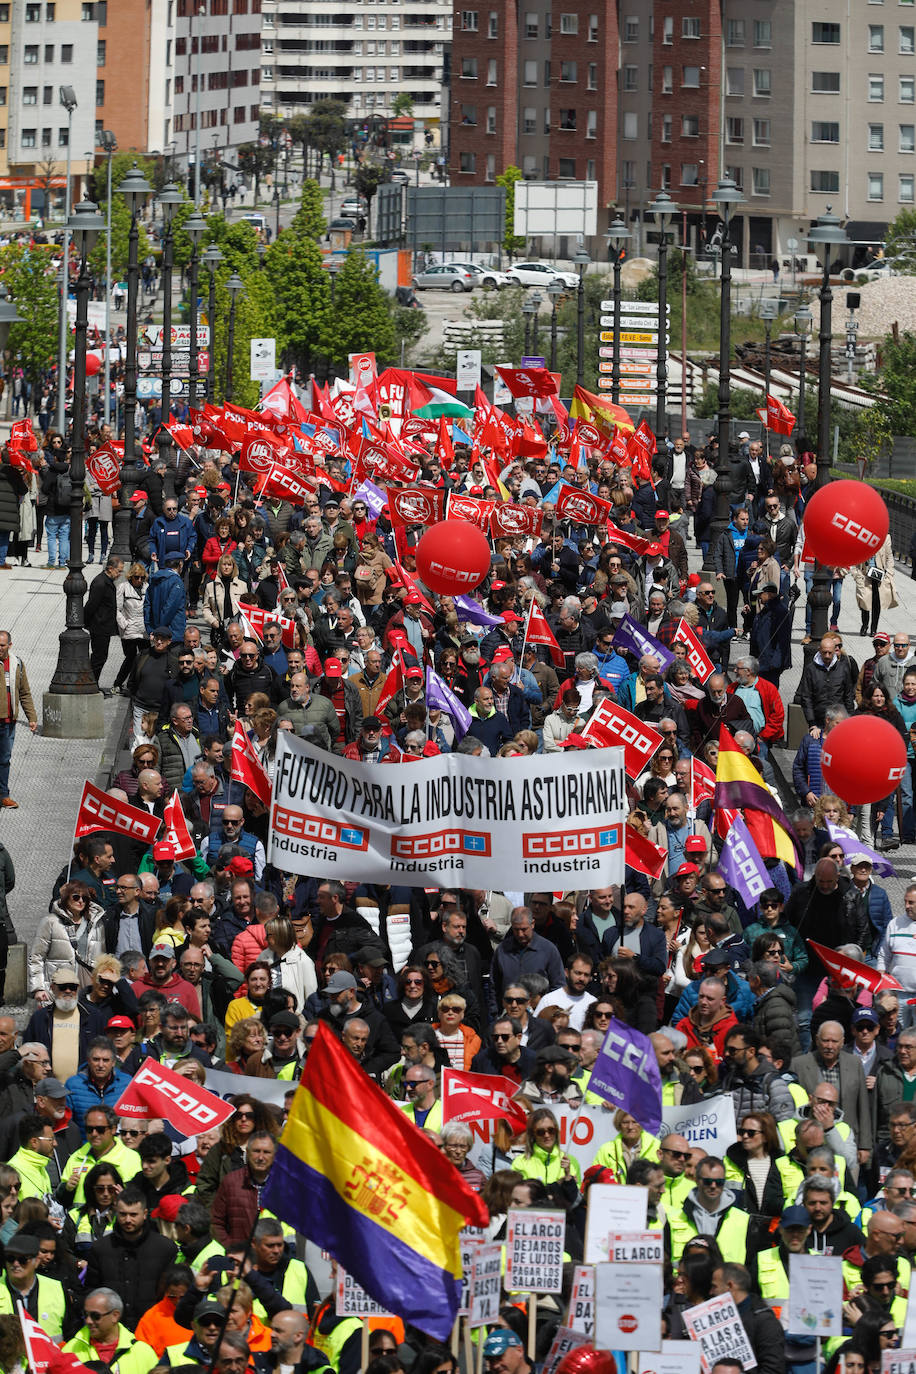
345	699
414	624
412	693
508	634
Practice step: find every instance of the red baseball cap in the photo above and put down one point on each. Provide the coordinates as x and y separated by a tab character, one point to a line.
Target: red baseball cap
662	515
510	618
164	849
685	870
333	667
414	672
240	867
413	599
169	1207
497	586
120	1023
502	653
695	844
139	496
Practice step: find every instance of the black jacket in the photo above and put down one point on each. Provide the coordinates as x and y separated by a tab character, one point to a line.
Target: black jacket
146	918
821	687
485	1061
102	606
382	1049
242	682
49	476
765	1334
132	1266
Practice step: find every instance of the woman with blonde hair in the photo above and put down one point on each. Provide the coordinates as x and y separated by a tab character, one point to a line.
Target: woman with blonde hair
132	630
630	1143
72	934
832	809
459	1041
544	1159
246	1039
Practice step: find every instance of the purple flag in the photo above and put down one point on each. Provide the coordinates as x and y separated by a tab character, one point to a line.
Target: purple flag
635	639
850	844
626	1075
373	496
780	879
741	865
471	610
438	693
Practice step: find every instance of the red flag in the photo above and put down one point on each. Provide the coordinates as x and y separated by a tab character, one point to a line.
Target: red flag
725	819
510	519
410	582
260	449
282	581
281	402
635	542
280	484
99	811
528	381
575	504
327	480
105	470
256	617
157	1092
480	1097
562	418
182	434
176	829
247	767
42	1351
393	683
470	508
418	505
697	656
537	631
702	782
445	449
23	436
777	417
641	450
850	973
612	725
643	855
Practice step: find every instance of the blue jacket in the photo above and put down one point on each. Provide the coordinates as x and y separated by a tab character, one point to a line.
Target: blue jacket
613	667
806	768
877	908
493	732
518	713
625	694
172	540
82	1096
739	997
771	637
165	603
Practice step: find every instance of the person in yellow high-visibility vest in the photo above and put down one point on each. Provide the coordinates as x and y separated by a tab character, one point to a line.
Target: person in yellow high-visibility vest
712	1209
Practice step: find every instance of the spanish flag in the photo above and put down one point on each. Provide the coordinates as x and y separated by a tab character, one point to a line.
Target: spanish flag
354	1175
740	786
602	412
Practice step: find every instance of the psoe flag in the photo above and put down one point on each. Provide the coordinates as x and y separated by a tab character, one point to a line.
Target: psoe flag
354	1175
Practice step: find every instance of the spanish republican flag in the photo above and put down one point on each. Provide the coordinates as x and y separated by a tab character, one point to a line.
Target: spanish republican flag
740	786
354	1175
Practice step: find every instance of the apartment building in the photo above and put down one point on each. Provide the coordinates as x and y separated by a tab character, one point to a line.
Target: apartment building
363	54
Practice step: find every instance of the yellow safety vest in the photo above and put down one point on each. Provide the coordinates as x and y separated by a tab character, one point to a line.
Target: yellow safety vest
772	1278
331	1345
731	1235
610	1156
544	1167
131	1356
293	1289
200	1259
52	1305
852	1278
119	1157
433	1120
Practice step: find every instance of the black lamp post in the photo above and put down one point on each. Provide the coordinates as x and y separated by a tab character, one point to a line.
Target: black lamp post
135	189
211	260
235	286
769	309
536	299
73	676
726	197
804	324
556	292
528	312
169	200
581	261
195	226
663	209
618	235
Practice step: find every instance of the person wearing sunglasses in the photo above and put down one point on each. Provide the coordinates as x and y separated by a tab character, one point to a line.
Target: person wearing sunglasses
712	1208
757	1162
74	924
43	1299
105	1340
208	1325
102	1145
674	1156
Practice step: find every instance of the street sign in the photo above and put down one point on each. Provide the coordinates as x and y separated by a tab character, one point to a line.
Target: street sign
851	350
467	368
629	322
640	383
638	307
852	325
632	337
181	362
263	360
150	335
646	354
628	369
528	361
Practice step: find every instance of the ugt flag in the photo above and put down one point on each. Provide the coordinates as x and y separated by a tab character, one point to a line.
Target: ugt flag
626	1075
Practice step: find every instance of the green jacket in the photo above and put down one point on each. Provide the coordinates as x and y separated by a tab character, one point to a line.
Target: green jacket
120	1157
544	1165
130	1357
32	1169
52	1304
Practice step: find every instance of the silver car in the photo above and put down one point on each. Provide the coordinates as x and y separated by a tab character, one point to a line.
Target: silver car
446	278
487	277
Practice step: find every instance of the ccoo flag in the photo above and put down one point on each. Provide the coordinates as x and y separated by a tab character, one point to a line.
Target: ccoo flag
626	1075
356	1176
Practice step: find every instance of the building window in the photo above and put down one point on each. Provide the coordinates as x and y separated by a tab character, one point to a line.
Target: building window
763	33
906	90
628	173
762	135
29	138
566	168
492	71
826	183
876	38
876	87
734	81
100	93
825	83
907	38
493	25
568	72
737	176
47	95
690	28
734	129
469	68
630	124
631	78
569	23
46	138
666	128
668	31
63	137
906	142
66	53
33	14
30	54
666	176
593	28
593	76
760	181
491	167
667	80
49	52
591	124
762	84
690	76
905	189
876	138
568	121
469	21
825	33
100	50
689	174
734	33
631	29
467	162
468	112
4	14
30	95
690	127
531	74
531	26
875	185
547	75
825	131
529	120
491	119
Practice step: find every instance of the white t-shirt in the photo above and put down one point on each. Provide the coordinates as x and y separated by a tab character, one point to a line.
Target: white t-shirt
577	1005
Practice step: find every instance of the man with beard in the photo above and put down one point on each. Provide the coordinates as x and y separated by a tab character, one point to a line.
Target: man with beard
62	1027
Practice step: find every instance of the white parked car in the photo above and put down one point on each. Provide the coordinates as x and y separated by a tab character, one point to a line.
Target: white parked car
540	274
487	277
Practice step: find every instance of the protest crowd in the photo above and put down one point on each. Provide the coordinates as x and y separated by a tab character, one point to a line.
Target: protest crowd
749	960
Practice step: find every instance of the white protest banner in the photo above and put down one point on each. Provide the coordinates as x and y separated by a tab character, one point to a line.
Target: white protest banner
582	1134
816	1295
470	1238
581	1314
613	1210
564	1341
908	1337
628	1306
676	1357
475	822
898	1362
641	1247
534	1251
710	1123
717	1329
354	1301
486	1285
271	1090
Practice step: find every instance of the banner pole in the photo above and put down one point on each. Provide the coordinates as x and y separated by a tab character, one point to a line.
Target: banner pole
532	1323
481	1336
468	1350
453	1344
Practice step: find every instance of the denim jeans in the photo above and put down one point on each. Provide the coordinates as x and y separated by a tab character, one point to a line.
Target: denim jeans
836	589
7	739
5	537
907	823
57	533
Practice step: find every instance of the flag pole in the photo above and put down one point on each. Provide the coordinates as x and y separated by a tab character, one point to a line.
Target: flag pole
364	1343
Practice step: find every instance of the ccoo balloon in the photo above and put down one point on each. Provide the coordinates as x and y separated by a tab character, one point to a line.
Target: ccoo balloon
93	363
585	1359
863	759
845	523
453	557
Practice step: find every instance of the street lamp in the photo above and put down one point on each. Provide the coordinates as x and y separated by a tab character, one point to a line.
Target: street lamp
73	675
663	209
581	261
528	312
211	260
195	226
769	310
825	237
618	235
277	209
69	102
235	286
109	144
556	291
536	299
804	324
135	189
169	199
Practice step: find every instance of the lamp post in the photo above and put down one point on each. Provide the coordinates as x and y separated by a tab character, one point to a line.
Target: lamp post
169	200
726	197
804	323
536	299
277	210
581	261
235	286
663	209
528	309
135	189
556	292
211	260
73	675
618	235
769	309
69	102
333	266
195	226
109	144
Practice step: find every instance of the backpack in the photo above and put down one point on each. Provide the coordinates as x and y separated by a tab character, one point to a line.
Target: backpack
63	489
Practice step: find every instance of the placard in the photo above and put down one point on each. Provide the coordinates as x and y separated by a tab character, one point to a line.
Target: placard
581	1313
676	1357
816	1295
353	1300
534	1251
710	1123
613	1210
628	1306
565	1340
467	368
640	1247
263	360
898	1362
717	1329
470	1238
486	1285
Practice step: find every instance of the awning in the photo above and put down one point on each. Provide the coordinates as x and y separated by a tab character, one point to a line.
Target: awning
866	230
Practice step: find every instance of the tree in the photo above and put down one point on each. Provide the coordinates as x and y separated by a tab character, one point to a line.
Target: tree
896	382
120	246
254	319
900	247
301	291
121	164
309	220
325	129
402	104
33	285
361	320
256	160
369	177
238	243
512	243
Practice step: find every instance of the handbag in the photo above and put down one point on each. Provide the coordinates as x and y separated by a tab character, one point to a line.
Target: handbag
874	574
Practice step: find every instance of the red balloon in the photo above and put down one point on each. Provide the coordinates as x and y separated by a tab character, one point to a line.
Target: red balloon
863	759
585	1359
845	523
93	364
453	557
